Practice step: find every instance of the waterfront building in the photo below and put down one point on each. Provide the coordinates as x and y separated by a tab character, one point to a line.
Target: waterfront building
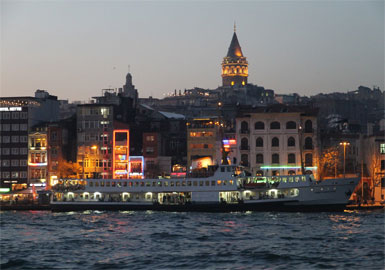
17	116
94	139
203	142
277	140
37	155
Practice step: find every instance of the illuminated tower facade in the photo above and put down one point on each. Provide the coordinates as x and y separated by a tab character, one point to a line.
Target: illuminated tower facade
234	66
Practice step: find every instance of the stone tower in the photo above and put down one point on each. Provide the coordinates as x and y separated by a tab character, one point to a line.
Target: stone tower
234	66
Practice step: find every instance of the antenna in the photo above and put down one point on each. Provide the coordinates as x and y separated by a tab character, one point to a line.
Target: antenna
129	68
235	27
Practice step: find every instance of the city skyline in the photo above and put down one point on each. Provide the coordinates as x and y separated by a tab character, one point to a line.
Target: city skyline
302	47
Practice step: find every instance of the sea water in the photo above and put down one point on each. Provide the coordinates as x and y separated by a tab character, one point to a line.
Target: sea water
163	240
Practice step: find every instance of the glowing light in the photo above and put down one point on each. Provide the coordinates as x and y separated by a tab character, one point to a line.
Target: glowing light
287	167
4	190
37	164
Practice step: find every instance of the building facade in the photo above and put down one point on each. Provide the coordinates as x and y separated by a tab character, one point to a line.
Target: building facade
277	140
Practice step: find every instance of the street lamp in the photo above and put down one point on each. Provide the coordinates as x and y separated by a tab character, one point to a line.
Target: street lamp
94	147
344	144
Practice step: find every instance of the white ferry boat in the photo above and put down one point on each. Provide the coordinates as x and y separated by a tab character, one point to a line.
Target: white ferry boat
226	189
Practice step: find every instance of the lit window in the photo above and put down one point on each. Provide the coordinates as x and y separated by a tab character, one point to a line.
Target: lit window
382	148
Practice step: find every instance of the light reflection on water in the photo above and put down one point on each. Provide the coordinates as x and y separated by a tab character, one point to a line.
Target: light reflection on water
160	240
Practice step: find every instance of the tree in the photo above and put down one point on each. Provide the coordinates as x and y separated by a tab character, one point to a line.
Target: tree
328	161
68	169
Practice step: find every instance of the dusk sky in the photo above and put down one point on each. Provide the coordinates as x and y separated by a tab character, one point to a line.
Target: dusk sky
74	49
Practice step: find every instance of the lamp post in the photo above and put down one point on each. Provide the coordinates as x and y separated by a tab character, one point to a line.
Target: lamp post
344	144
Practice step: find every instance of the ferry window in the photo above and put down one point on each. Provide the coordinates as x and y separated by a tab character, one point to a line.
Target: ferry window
148	184
224	182
159	184
222	169
231	182
183	183
142	184
119	184
172	183
200	183
189	183
291	179
107	183
136	184
229	169
219	182
86	196
153	183
207	183
195	183
284	179
297	179
113	183
96	184
125	184
102	184
177	183
91	184
213	183
166	183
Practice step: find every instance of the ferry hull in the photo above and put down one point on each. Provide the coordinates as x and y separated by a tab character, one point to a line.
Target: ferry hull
201	207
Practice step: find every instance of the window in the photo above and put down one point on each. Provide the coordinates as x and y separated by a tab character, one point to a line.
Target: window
308	143
15	115
6	174
291	158
23	151
275	142
23	115
308	160
15	127
275	158
149	150
382	148
275	125
291	125
259	125
5	163
23	162
150	138
308	126
6	127
15	163
15	139
244	144
23	174
15	174
5	151
259	142
23	127
15	151
244	160
259	158
382	165
244	127
290	142
6	115
6	139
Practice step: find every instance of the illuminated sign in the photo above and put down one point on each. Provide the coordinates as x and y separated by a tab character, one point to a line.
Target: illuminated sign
4	190
121	153
286	167
37	164
10	109
136	166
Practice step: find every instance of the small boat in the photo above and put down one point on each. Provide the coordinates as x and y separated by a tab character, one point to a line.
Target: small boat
227	189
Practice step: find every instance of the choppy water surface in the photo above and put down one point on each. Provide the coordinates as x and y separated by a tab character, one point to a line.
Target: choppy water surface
158	240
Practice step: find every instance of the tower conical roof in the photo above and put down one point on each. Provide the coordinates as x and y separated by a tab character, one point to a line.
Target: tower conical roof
234	49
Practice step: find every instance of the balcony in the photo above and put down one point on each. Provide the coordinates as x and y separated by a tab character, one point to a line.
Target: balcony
244	131
244	147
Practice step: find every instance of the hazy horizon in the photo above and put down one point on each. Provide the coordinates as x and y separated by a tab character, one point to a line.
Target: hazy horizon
75	49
